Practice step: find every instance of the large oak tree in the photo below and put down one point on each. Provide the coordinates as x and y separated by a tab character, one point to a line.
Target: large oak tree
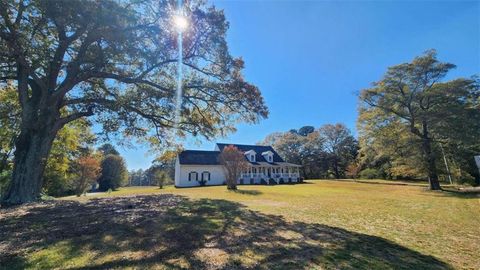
115	62
412	97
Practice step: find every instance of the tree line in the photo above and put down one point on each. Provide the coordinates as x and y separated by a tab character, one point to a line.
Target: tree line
411	125
160	173
325	152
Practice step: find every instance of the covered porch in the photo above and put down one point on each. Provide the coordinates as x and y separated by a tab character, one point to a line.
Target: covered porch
271	173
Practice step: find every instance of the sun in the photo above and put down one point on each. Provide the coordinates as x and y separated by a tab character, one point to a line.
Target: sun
180	22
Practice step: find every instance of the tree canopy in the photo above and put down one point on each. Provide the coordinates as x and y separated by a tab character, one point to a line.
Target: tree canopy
115	62
234	163
323	153
413	113
114	173
108	149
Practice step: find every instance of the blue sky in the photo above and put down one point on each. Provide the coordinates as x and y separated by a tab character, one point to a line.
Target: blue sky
309	58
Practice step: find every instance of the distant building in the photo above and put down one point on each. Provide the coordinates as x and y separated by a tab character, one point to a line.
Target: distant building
194	167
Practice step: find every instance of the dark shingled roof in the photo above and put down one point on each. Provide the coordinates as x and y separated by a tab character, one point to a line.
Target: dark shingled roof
259	149
197	157
201	157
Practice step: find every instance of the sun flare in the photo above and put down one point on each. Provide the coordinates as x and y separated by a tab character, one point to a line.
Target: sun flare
180	22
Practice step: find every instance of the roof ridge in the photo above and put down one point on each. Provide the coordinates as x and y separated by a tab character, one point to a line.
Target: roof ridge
200	150
255	145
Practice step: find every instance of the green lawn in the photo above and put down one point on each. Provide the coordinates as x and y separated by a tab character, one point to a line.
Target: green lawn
317	225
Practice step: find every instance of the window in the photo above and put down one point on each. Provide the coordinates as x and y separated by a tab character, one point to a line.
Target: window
193	176
270	158
250	155
205	176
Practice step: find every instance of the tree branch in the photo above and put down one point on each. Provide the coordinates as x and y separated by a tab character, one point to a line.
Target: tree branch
72	117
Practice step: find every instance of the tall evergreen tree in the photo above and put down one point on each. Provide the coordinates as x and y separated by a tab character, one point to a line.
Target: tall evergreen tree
114	173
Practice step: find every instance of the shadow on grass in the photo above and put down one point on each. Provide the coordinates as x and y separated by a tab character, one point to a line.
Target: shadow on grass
393	183
247	192
463	194
173	232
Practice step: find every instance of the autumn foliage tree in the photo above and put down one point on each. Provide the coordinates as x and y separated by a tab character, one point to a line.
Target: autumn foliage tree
234	163
87	170
114	61
322	153
412	99
340	146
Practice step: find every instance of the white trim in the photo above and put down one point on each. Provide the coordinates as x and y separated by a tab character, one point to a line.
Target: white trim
251	155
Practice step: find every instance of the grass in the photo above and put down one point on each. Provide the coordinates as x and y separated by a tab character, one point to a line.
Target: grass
317	225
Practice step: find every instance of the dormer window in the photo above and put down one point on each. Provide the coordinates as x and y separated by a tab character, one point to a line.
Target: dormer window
251	155
268	155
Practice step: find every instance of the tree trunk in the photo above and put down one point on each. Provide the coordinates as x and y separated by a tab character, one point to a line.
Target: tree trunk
335	168
430	164
304	171
31	152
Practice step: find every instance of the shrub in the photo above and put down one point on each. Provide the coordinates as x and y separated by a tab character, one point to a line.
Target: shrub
369	173
161	178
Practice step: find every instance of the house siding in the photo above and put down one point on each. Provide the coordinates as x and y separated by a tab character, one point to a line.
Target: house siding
217	174
265	170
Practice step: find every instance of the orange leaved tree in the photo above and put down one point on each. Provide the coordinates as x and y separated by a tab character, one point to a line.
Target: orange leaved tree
234	163
88	169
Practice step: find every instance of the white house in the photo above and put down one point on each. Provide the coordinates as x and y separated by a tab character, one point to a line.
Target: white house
196	168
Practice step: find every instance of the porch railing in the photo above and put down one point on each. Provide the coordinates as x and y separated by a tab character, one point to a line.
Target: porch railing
265	176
